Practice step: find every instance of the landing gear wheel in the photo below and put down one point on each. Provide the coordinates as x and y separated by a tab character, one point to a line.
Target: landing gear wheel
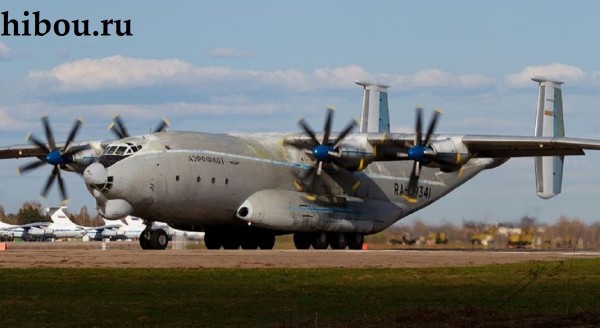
159	239
144	242
302	240
212	240
337	240
320	241
266	241
356	241
250	242
231	241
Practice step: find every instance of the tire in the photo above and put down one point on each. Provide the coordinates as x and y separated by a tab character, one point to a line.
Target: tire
302	240
159	239
144	242
337	240
250	241
356	241
212	240
320	241
231	241
266	241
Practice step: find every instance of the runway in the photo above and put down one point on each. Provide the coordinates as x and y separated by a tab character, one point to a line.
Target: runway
44	255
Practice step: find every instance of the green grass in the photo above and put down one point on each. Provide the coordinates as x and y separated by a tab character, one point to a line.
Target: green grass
549	294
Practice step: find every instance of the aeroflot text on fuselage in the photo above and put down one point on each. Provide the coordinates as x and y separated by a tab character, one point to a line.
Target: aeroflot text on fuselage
32	24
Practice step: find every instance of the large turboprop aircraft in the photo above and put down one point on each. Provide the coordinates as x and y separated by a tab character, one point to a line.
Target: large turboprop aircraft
328	189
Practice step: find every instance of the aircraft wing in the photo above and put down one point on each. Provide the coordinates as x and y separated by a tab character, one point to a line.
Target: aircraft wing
104	227
34	225
507	146
489	146
30	150
387	146
19	151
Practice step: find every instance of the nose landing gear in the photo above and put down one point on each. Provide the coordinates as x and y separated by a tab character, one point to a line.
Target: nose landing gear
153	239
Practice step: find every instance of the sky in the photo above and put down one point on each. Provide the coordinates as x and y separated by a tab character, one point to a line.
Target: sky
258	66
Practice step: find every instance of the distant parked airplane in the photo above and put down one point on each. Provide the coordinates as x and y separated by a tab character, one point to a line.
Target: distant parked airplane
60	227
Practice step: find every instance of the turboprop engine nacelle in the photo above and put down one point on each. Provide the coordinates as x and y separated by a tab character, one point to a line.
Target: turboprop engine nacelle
449	154
354	159
284	210
355	153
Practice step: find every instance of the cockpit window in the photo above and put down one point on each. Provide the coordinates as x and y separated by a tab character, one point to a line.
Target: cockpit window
113	154
121	150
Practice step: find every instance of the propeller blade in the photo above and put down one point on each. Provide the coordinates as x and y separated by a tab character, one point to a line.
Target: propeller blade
351	125
49	182
118	127
61	184
114	129
414	178
49	135
320	167
31	138
418	132
73	133
308	131
432	126
161	126
31	166
327	126
76	150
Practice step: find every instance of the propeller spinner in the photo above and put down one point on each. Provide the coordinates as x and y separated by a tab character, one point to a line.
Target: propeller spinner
54	156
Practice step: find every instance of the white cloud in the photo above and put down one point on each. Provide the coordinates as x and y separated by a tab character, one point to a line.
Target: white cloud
438	79
9	123
118	72
5	52
110	73
558	71
230	53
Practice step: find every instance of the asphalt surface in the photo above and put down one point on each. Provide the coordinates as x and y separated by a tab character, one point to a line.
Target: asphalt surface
130	255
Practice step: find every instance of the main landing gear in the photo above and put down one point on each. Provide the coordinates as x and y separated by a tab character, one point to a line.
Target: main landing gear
322	240
153	239
236	238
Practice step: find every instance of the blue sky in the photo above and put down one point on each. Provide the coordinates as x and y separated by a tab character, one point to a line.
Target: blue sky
242	66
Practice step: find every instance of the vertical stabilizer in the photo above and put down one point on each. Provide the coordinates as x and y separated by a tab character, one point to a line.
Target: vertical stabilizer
58	216
375	116
549	123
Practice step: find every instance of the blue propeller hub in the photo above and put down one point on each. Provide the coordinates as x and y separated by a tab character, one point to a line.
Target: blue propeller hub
54	158
417	153
321	152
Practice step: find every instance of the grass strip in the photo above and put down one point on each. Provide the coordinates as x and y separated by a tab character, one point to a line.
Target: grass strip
525	295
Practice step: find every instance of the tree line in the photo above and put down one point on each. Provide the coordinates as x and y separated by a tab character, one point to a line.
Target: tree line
565	232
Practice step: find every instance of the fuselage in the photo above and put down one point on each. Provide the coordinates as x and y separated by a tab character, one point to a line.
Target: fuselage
199	179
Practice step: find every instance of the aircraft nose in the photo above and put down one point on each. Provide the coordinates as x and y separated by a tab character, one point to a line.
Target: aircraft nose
95	174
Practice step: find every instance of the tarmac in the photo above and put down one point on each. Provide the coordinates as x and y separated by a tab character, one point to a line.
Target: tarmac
130	255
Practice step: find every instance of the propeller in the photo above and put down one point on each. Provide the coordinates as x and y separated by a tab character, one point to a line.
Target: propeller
421	151
54	156
117	126
323	151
